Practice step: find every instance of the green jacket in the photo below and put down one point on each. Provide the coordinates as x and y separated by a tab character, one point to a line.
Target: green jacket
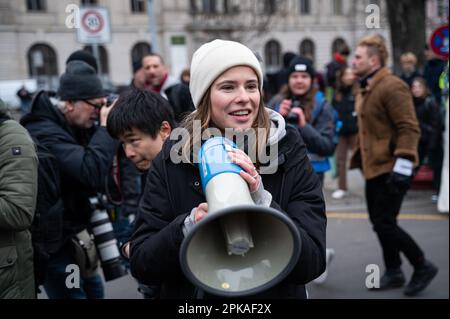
18	190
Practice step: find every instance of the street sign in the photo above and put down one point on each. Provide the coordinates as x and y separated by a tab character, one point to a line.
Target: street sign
94	26
439	41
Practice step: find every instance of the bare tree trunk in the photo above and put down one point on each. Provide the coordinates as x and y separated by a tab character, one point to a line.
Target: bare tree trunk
407	23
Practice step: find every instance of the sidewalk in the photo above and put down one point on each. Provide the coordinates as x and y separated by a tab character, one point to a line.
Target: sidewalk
416	201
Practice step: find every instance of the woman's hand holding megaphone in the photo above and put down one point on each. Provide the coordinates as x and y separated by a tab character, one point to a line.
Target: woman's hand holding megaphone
200	212
249	172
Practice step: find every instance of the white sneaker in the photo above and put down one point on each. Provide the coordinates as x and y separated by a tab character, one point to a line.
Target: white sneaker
338	194
329	257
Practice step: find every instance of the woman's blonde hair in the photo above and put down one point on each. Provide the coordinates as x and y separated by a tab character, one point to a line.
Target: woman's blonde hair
203	114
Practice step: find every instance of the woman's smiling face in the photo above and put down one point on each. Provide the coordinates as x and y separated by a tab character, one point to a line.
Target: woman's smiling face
235	98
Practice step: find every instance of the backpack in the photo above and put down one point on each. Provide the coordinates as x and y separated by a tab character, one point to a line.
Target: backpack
322	164
47	227
320	104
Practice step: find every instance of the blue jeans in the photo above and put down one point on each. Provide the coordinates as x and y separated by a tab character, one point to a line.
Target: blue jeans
55	280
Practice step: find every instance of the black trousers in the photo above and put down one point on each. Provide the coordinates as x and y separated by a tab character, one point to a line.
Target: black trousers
383	210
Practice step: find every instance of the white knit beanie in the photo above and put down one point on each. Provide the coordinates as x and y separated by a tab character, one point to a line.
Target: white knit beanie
214	58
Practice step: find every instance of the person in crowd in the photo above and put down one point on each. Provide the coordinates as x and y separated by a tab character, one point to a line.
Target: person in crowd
158	80
139	79
185	77
85	56
386	152
339	62
434	67
427	112
142	121
305	107
226	88
65	123
276	80
18	191
344	104
408	62
25	98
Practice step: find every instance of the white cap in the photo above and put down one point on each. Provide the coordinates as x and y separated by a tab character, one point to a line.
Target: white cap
214	58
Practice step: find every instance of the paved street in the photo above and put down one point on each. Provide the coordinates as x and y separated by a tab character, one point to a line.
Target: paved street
351	236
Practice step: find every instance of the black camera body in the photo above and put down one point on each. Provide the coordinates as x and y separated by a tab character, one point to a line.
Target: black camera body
105	240
292	118
112	97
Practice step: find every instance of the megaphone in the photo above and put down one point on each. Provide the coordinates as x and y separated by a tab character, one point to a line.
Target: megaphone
238	248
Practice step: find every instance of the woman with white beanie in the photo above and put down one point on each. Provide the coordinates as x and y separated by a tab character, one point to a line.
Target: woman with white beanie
226	88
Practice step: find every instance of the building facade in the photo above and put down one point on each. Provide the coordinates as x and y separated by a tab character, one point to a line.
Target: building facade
36	40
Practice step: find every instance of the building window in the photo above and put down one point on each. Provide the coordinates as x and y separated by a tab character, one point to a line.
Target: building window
36	5
270	6
42	65
307	49
272	53
209	6
193	6
137	6
337	7
305	7
442	9
226	6
42	61
339	45
140	50
104	66
88	2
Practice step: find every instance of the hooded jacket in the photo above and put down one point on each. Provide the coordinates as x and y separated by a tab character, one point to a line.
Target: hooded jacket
173	190
83	157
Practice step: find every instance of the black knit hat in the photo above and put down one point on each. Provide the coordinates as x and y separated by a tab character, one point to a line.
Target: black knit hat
85	56
301	64
137	65
80	82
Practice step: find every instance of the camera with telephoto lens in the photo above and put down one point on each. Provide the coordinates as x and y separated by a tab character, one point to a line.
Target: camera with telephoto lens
292	118
105	240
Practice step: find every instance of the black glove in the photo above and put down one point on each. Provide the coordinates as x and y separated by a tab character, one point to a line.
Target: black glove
398	183
400	178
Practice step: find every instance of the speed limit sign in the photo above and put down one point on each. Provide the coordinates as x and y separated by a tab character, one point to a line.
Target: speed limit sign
94	26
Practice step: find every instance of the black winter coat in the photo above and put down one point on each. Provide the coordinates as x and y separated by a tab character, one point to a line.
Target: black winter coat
346	111
83	156
173	190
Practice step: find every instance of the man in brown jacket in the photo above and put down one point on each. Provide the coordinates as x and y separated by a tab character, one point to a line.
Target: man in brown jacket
386	153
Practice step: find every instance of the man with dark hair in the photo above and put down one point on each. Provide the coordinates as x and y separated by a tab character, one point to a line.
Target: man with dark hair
142	121
386	152
138	80
158	80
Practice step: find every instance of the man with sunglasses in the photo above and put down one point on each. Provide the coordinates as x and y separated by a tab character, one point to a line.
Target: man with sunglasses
71	124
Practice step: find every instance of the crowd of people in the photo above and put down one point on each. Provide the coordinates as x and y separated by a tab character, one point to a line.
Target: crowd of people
81	143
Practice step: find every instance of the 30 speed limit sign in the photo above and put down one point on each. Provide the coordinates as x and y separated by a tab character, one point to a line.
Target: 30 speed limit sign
94	26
